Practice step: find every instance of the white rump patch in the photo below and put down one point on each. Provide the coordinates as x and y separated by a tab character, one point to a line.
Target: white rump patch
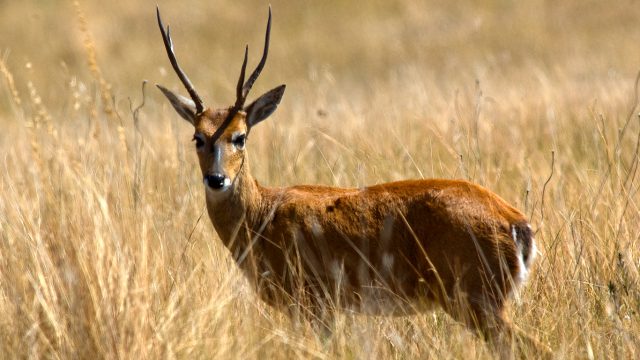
523	273
523	269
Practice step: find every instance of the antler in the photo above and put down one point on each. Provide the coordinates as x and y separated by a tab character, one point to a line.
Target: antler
168	44
242	90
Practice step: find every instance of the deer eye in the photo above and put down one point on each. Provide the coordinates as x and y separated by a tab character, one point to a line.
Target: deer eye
239	141
199	141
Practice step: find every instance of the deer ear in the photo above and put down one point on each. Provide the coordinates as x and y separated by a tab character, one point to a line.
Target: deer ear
264	106
185	107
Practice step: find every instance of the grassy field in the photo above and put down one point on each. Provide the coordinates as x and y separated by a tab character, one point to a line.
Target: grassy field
105	246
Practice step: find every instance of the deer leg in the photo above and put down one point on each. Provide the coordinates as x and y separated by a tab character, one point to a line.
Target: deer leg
488	322
322	318
529	345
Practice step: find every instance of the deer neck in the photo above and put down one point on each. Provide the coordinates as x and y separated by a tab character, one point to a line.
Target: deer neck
234	214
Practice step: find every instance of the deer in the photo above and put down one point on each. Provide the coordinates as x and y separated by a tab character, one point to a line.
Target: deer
393	249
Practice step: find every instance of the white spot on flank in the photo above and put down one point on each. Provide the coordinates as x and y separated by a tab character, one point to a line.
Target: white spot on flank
387	262
316	229
335	268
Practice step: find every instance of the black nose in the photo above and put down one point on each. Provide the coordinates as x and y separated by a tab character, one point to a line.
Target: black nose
214	181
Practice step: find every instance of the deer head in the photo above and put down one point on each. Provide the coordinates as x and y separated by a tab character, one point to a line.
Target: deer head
221	134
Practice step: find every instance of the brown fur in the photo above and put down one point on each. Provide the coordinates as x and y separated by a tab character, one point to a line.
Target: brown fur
388	249
429	227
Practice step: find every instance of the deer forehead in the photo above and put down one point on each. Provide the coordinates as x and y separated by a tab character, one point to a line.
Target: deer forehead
210	120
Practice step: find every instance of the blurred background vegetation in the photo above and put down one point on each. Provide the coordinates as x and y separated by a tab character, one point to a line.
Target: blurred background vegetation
102	246
359	43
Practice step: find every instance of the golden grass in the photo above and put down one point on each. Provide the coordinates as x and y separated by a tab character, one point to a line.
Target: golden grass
105	248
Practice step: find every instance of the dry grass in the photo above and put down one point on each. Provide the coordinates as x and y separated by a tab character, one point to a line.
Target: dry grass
104	249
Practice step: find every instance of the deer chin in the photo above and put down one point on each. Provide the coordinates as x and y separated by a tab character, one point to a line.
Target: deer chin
222	193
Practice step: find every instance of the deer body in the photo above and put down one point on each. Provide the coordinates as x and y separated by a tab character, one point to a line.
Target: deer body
388	249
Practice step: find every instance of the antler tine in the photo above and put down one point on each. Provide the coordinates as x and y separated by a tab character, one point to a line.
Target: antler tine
168	44
240	98
254	75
